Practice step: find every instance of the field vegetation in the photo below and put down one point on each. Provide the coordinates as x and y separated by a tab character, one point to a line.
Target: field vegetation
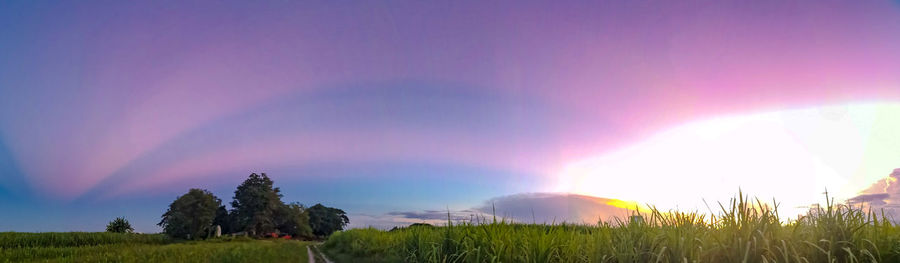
120	247
743	231
10	240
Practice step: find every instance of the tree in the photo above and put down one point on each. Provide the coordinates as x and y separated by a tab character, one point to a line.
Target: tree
119	225
293	220
326	220
255	205
223	219
191	216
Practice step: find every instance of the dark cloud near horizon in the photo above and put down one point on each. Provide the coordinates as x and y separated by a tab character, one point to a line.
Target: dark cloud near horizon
526	208
435	214
873	199
553	208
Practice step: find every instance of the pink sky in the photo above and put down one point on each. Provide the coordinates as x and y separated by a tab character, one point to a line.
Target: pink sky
125	98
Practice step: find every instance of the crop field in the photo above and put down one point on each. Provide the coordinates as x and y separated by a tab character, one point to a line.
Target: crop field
115	247
743	231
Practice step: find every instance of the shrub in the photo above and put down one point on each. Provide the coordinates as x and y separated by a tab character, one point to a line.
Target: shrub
119	225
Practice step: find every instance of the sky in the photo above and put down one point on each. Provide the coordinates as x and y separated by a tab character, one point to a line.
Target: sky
397	110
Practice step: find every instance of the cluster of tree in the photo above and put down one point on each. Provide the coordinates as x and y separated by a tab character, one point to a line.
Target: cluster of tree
256	210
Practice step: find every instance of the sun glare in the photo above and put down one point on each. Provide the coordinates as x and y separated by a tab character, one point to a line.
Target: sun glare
791	155
627	205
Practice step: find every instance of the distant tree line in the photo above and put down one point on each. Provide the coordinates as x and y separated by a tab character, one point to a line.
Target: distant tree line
256	210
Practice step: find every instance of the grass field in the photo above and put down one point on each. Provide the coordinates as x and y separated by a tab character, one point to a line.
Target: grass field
112	247
742	232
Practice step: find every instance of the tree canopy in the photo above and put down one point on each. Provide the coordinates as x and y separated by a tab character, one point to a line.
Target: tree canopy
223	219
256	204
326	220
293	219
191	215
256	210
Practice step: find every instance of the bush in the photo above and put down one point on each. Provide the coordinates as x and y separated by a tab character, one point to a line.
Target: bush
119	225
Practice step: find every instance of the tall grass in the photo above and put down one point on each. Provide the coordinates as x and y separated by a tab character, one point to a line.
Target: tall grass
744	231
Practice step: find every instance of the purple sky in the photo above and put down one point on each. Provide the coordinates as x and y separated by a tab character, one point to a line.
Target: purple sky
112	108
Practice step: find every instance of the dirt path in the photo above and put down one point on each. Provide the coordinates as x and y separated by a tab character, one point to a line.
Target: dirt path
313	250
312	257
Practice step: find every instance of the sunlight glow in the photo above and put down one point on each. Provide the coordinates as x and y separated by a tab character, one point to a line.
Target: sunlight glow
791	155
627	205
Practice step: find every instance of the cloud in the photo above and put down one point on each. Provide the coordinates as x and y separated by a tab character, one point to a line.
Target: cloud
873	199
882	195
525	208
436	215
405	218
555	207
